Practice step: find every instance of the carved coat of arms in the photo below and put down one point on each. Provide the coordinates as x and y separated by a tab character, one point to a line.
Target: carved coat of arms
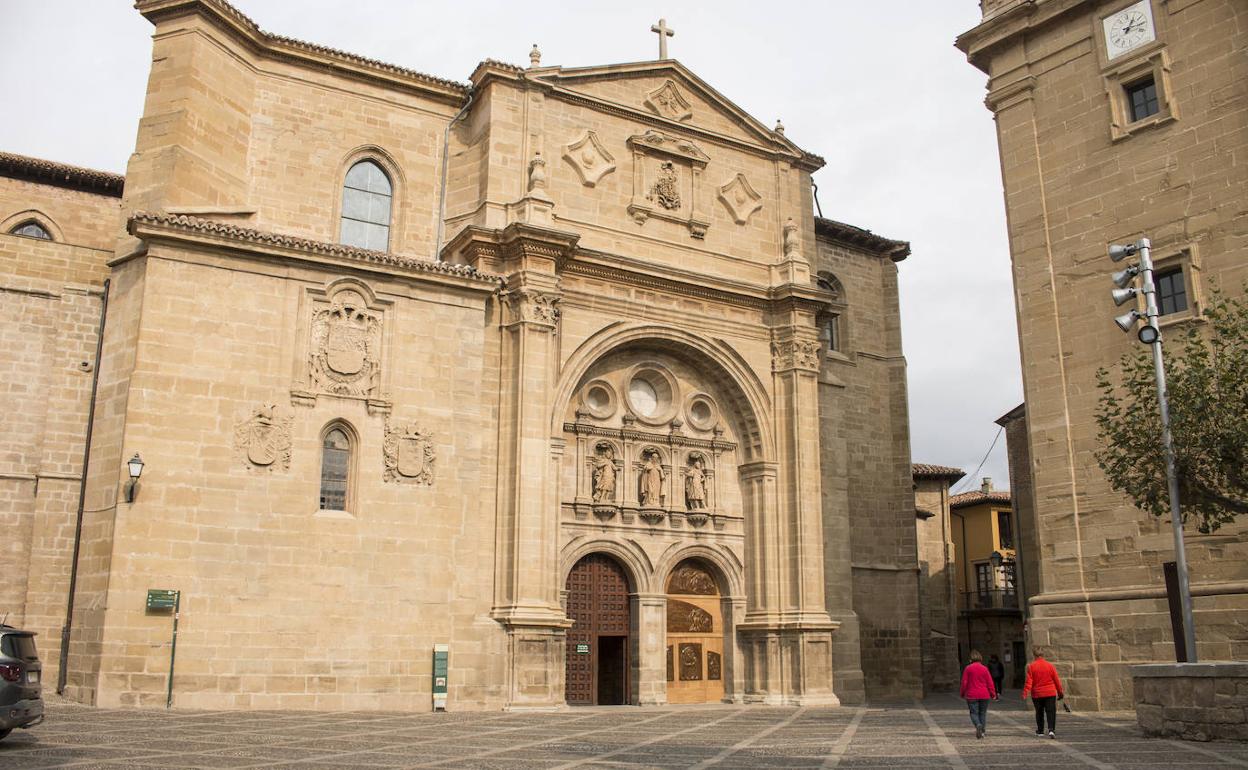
666	188
409	454
262	441
346	341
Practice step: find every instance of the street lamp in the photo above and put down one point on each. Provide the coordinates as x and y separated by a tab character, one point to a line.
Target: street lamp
135	466
1150	334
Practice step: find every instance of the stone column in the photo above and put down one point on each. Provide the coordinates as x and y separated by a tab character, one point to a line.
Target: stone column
650	612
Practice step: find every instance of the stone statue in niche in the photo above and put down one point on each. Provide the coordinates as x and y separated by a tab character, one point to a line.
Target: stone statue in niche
651	481
263	440
346	341
666	188
695	484
604	474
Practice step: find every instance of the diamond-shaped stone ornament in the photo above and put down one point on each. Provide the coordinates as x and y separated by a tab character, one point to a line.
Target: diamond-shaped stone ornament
739	196
590	159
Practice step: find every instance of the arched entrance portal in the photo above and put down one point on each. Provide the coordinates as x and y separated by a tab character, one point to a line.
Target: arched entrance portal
598	654
695	636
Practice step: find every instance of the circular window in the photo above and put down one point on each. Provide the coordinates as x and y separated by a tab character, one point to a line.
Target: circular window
701	412
599	398
651	394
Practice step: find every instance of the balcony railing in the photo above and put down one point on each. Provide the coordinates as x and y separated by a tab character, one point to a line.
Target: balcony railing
991	599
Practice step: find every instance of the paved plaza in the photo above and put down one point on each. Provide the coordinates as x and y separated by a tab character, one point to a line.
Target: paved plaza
936	733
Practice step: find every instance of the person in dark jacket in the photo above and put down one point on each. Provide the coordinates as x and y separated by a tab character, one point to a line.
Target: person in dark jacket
978	689
1045	688
997	669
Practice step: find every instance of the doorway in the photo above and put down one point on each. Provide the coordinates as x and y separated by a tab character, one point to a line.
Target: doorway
695	636
598	658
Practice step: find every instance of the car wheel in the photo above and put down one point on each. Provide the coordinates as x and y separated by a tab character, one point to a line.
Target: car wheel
5	733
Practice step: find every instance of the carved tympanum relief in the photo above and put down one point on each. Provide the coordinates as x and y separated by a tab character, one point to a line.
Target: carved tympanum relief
262	441
345	345
688	578
740	198
590	159
667	101
409	454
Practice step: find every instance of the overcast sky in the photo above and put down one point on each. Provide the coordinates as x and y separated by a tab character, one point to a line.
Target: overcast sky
876	88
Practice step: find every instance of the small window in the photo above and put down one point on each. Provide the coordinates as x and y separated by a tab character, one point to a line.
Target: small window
1142	99
1171	292
829	336
335	469
1005	529
32	229
366	199
984	582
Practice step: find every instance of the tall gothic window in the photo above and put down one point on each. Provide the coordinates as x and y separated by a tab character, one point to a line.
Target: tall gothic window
32	229
366	199
335	469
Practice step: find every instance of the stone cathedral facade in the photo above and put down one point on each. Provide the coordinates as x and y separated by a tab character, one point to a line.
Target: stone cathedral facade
558	369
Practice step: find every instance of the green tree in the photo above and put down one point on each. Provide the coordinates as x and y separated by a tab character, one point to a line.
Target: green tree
1207	385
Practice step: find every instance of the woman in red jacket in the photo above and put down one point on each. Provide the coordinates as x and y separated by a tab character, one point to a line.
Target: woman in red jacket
1046	690
978	689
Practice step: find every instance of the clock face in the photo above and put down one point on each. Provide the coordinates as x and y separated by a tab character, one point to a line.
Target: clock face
1129	28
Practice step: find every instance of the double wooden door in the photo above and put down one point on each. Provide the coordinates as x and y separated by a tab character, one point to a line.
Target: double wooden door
598	653
695	636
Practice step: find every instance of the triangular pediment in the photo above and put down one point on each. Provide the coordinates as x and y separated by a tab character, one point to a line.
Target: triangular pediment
665	91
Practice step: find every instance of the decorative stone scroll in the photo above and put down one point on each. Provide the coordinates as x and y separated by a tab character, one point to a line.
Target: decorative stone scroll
590	159
344	343
409	454
667	101
740	198
262	441
795	354
667	175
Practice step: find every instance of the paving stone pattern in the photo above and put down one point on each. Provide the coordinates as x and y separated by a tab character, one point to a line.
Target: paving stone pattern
934	734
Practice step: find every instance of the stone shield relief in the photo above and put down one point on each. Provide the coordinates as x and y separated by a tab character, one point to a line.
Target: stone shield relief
346	347
262	441
409	454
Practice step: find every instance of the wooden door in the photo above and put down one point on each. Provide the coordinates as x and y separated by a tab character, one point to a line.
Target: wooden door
695	636
597	658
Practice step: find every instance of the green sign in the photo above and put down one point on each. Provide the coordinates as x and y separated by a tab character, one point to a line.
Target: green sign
582	649
441	656
161	599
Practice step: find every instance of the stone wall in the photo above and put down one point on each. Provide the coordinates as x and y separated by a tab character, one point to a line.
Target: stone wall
1192	701
937	585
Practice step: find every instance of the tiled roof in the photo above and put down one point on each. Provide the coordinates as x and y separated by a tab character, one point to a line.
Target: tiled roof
234	232
975	498
925	471
857	236
61	174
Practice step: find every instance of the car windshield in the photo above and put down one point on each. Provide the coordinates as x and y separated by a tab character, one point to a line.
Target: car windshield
18	646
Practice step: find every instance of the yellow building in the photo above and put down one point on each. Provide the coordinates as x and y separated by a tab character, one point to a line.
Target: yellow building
990	613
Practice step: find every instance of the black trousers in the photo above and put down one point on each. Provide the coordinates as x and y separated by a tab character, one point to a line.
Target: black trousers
1045	707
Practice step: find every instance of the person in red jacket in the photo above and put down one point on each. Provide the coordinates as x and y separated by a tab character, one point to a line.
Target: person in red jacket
1045	688
978	689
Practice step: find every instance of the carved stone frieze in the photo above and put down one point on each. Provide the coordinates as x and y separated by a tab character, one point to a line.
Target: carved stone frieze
262	441
409	454
667	101
795	354
590	158
740	198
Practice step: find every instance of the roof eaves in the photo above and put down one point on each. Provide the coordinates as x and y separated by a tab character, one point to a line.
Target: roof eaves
61	174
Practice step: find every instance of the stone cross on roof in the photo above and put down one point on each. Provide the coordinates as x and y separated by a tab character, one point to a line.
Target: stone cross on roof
664	33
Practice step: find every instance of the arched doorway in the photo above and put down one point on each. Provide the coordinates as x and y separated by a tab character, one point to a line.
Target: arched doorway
695	635
598	657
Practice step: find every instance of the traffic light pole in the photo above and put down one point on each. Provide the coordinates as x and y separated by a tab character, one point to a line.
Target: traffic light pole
1144	248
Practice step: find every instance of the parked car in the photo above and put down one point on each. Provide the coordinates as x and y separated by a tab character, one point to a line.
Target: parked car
21	680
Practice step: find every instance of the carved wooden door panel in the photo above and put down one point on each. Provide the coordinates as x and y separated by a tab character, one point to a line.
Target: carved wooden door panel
695	637
598	606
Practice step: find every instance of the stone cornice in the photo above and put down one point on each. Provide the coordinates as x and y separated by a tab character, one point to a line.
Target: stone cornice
857	237
1004	25
187	230
61	175
277	46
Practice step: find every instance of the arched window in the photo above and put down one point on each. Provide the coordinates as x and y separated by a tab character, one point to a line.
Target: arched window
335	469
32	229
366	197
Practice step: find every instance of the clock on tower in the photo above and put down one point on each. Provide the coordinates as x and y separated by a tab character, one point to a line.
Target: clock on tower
1129	29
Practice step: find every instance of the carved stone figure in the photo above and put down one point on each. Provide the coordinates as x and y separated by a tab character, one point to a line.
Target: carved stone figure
263	439
346	341
695	484
652	482
666	188
409	454
604	474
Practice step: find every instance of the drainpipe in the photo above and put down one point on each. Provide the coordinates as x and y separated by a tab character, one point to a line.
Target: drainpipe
446	144
61	672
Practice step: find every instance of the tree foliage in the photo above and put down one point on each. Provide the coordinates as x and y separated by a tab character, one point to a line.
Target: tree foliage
1207	387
